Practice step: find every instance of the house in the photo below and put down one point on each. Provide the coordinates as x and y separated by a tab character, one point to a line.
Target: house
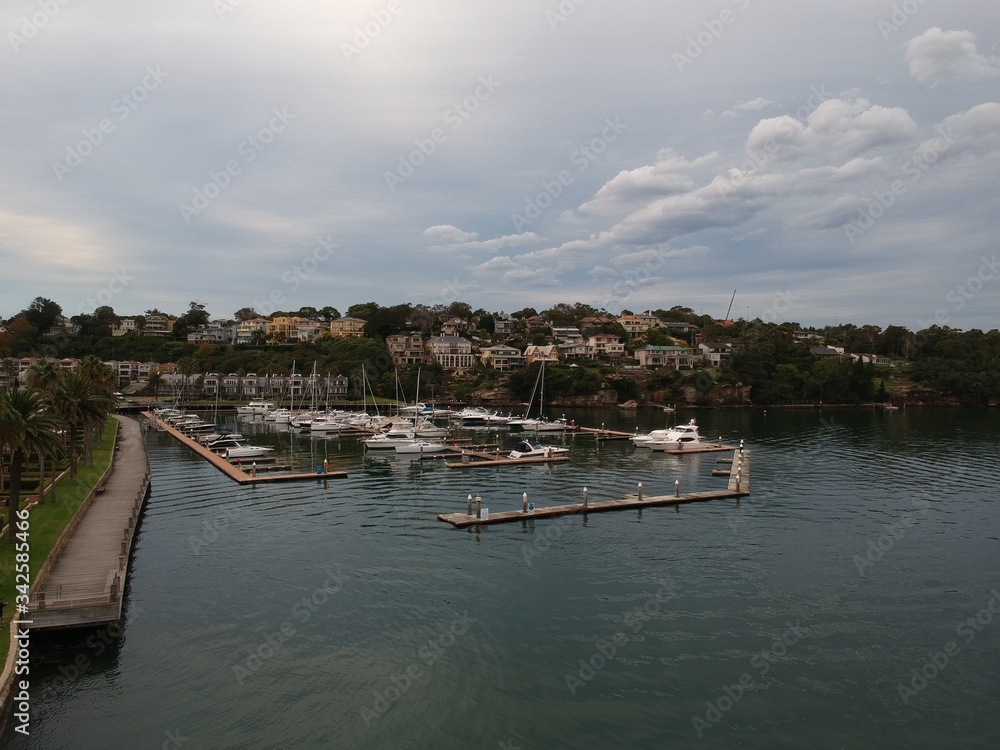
309	331
605	345
502	358
677	357
406	349
637	325
504	326
211	333
591	322
876	359
250	331
453	326
124	326
451	352
546	353
826	351
158	325
284	328
347	328
715	351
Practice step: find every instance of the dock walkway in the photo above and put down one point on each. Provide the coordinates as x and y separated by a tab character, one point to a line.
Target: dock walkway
738	486
236	473
82	582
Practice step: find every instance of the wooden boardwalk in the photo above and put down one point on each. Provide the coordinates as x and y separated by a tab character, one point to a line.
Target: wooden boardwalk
81	583
735	489
244	473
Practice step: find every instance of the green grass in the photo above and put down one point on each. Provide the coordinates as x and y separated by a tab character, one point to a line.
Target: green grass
47	523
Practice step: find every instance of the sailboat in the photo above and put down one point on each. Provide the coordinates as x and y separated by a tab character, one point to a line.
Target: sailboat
541	423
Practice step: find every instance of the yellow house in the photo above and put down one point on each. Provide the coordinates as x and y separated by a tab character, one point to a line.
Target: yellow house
347	328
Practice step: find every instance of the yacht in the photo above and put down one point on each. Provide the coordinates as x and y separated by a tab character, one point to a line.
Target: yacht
421	447
670	439
532	449
387	441
247	451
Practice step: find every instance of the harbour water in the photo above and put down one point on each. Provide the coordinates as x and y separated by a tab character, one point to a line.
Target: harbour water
850	602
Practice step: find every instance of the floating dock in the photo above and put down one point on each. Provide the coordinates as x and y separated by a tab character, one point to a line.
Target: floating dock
246	473
738	486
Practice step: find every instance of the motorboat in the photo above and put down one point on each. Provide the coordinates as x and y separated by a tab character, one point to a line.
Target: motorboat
324	423
685	433
533	449
256	407
233	440
421	447
247	451
389	440
537	425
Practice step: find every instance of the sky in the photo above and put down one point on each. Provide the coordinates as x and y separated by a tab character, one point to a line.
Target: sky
831	162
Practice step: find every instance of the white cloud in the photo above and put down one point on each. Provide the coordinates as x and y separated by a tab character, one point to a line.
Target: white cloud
937	54
754	105
449	234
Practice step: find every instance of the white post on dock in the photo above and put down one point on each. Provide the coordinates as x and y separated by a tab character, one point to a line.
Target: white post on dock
640	492
468	506
584	497
739	476
479	507
253	469
524	502
677	488
465	457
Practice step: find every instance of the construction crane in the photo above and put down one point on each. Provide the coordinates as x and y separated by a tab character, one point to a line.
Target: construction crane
732	299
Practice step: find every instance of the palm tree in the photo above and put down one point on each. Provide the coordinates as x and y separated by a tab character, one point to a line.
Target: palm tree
26	427
82	403
44	377
105	383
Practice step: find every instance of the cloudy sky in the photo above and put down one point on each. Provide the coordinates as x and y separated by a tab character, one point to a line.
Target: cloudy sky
830	161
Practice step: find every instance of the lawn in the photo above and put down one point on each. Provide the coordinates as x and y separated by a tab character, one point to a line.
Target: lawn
47	523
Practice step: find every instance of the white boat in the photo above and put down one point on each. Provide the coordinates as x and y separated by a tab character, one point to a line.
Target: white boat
234	440
247	451
537	425
389	440
421	447
425	429
533	449
323	424
256	407
685	433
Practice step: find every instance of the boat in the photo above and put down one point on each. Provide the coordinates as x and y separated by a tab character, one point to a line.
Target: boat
256	407
234	440
533	449
389	440
247	451
324	423
539	423
421	447
673	439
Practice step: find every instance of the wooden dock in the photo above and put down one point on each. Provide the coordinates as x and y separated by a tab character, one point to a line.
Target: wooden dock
736	488
81	583
478	459
246	472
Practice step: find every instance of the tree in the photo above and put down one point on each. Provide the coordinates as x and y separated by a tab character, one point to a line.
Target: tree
26	427
363	310
43	377
246	313
83	403
42	313
326	314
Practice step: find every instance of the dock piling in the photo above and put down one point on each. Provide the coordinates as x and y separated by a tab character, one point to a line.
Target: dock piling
677	488
640	492
469	506
524	502
584	497
479	507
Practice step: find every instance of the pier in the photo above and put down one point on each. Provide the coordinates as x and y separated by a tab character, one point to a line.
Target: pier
244	473
737	487
81	582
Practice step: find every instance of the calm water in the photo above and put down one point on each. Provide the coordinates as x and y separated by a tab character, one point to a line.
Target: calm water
347	616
